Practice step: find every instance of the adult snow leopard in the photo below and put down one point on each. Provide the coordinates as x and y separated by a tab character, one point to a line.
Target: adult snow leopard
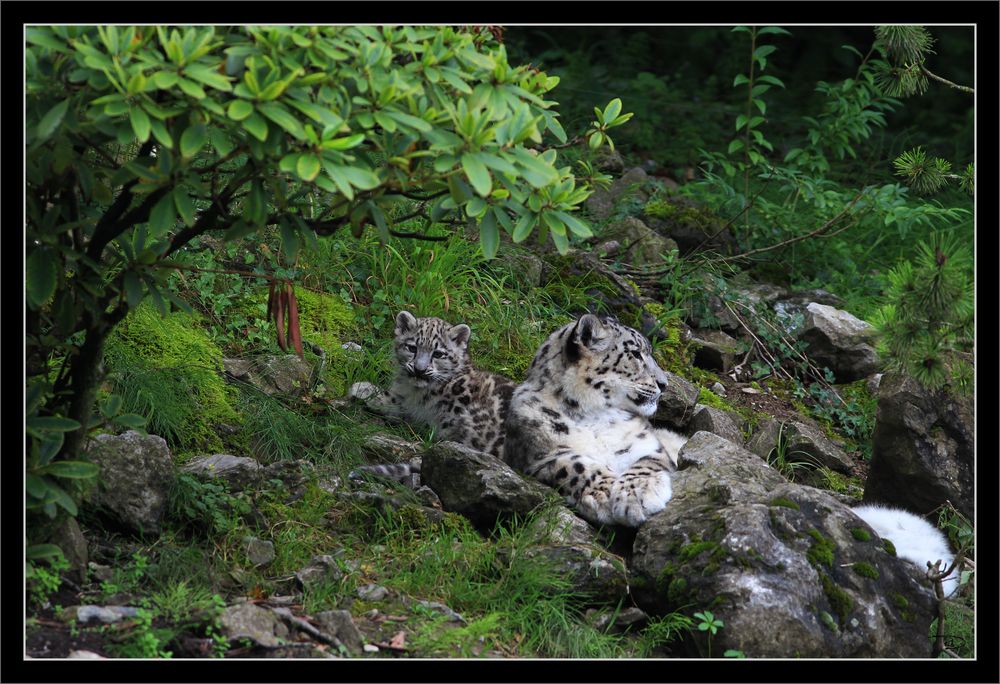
580	422
436	384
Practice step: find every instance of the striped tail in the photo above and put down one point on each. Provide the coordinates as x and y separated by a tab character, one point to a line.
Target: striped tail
407	473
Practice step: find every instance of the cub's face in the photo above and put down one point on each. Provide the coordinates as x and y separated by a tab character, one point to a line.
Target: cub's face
431	350
614	364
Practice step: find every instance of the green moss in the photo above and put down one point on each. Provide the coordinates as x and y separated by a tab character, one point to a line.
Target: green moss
676	590
821	551
782	501
865	569
860	534
327	321
839	599
900	601
828	621
889	547
167	369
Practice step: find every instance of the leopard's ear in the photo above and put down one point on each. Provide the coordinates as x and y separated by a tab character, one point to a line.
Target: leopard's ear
588	333
405	322
459	334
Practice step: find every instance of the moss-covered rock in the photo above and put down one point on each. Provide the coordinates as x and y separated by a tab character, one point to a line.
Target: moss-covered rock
167	369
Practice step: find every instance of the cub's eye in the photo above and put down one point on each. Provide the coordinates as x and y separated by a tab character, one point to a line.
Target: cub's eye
636	353
437	354
411	347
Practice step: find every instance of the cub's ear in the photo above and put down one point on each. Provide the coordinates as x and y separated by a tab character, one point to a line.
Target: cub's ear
459	334
405	321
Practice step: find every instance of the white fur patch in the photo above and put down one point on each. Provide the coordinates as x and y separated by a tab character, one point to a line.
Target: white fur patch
915	539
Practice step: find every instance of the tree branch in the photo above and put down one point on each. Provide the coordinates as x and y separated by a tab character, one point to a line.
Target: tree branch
964	89
819	231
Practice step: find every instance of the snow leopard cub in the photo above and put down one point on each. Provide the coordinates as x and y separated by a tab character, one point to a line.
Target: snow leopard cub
437	385
580	422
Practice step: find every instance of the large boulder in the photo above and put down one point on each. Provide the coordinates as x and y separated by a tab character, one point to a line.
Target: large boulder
790	570
718	422
641	245
236	471
693	227
677	401
286	375
480	486
923	448
716	350
839	341
574	548
601	203
137	473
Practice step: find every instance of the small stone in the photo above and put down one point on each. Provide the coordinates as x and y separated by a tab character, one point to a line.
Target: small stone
370	648
443	609
352	347
340	624
101	573
321	569
85	655
372	592
106	614
259	552
719	389
362	391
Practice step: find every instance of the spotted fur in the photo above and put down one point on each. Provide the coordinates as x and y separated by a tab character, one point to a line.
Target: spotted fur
437	385
580	422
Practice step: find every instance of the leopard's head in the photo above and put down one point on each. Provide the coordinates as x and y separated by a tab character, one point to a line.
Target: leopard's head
429	349
611	365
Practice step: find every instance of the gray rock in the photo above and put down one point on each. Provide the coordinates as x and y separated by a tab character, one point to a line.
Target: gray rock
68	537
236	471
137	473
609	161
259	552
340	624
778	563
443	609
372	592
617	621
353	347
101	573
923	448
719	389
572	546
677	402
363	391
274	375
480	486
717	350
601	203
874	382
642	245
85	655
320	569
803	442
718	422
528	268
106	614
839	341
249	621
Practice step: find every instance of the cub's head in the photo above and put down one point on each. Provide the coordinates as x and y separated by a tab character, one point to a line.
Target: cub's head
609	365
429	349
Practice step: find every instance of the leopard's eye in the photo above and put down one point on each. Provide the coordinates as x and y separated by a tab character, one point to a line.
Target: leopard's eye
437	354
412	348
637	354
